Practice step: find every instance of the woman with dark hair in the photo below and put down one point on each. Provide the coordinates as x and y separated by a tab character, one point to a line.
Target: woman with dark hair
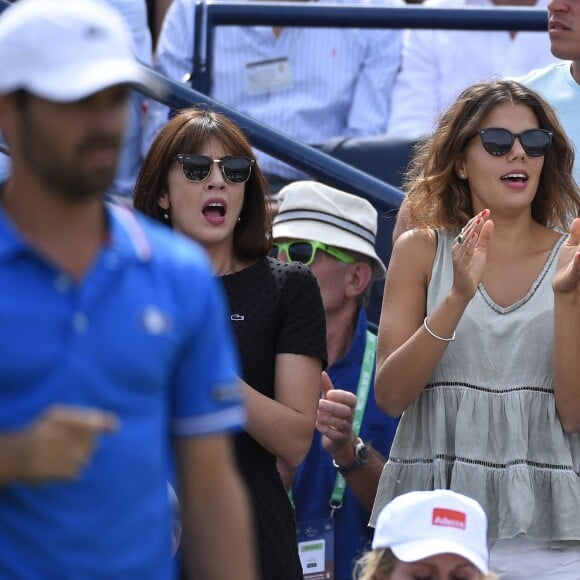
478	340
201	178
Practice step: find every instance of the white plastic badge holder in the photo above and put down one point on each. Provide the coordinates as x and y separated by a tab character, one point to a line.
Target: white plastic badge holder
268	75
316	549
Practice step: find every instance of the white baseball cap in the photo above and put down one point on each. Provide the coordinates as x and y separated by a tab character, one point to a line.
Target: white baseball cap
65	50
310	210
421	524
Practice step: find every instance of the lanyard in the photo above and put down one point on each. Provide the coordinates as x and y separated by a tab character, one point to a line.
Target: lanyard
362	394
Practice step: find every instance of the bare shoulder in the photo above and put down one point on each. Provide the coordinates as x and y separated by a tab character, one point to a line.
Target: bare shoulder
414	250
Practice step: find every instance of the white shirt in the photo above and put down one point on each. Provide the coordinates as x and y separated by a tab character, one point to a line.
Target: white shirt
438	64
335	81
134	13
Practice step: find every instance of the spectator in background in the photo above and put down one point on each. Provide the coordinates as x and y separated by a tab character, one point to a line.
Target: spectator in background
438	64
478	338
200	177
333	232
429	534
309	83
134	12
559	83
112	369
156	10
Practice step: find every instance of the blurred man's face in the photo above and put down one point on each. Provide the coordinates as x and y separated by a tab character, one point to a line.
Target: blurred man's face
73	148
564	28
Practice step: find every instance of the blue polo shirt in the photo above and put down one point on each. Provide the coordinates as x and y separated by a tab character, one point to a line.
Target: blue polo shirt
316	476
144	335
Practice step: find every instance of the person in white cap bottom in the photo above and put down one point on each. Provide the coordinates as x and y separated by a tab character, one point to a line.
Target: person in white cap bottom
431	535
334	232
102	338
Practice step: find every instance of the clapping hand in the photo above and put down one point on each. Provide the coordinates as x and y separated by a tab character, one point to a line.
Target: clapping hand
470	254
567	278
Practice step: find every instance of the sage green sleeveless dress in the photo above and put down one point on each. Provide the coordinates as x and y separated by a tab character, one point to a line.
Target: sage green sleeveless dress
486	424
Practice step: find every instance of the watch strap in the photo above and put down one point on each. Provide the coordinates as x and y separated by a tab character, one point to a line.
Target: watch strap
360	459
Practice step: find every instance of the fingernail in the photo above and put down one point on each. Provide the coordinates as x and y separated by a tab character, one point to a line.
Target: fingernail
478	221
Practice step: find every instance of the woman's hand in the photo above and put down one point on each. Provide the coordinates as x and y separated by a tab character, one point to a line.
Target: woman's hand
470	254
567	278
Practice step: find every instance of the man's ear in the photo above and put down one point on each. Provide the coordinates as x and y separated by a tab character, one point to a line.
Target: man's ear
360	277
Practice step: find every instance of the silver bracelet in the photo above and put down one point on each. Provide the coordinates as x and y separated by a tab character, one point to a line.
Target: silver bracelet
436	335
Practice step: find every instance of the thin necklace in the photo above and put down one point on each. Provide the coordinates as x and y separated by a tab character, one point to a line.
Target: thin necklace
230	270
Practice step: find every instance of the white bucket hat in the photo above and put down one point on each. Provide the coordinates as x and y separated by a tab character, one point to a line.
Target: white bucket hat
421	524
310	210
65	50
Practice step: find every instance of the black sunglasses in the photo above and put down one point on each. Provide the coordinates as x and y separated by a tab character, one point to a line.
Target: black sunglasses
234	168
498	141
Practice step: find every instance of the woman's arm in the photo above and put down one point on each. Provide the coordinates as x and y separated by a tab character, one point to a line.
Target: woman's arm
218	531
285	425
407	354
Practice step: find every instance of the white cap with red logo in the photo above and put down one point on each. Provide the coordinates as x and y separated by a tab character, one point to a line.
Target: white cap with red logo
421	524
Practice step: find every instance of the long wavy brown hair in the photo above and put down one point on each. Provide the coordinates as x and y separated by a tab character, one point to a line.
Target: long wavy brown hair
187	132
437	198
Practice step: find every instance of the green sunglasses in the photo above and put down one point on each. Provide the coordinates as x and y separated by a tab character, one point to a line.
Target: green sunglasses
305	251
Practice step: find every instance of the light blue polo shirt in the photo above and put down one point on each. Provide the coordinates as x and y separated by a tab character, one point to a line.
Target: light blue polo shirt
144	336
557	85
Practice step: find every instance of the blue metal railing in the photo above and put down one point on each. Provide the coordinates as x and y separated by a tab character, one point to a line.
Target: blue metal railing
316	163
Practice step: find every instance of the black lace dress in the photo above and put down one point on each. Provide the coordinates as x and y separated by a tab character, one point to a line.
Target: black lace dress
275	308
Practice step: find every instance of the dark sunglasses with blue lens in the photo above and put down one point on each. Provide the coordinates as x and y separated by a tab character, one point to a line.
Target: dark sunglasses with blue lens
498	141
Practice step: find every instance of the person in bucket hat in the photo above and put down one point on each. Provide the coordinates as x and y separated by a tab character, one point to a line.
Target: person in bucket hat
334	233
428	534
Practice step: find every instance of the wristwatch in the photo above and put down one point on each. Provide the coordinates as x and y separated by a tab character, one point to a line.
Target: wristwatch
361	457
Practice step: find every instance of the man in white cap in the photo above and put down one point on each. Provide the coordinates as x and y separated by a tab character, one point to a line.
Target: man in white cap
334	233
110	363
433	534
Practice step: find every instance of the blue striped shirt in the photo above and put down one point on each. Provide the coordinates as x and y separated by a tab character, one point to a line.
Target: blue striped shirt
340	85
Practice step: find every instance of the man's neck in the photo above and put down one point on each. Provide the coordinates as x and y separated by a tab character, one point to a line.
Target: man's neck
340	327
68	234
